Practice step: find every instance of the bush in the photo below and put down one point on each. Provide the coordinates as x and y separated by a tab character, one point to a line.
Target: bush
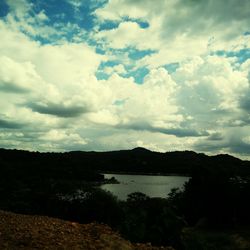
151	220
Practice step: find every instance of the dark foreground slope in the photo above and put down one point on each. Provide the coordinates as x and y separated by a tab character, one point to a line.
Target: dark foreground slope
40	232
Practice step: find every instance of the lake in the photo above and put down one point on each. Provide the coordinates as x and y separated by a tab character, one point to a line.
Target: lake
151	185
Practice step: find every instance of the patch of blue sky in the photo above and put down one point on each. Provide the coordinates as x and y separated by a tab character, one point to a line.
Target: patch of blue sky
128	65
142	23
108	64
100	75
85	13
84	17
120	53
241	55
136	54
57	12
66	12
63	34
44	40
93	4
127	55
172	67
138	74
108	25
4	8
99	45
100	50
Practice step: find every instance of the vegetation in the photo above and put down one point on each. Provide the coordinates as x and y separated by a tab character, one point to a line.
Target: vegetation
78	164
205	215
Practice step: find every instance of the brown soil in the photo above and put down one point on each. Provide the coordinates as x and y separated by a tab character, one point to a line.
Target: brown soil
41	232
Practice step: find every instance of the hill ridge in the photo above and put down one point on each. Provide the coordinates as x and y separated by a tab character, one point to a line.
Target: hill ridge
137	160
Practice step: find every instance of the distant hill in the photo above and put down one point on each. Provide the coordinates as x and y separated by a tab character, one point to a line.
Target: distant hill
137	160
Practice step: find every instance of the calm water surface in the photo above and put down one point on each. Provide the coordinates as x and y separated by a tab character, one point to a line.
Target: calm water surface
151	185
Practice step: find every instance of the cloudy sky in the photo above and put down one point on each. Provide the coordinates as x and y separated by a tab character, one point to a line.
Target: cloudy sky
103	75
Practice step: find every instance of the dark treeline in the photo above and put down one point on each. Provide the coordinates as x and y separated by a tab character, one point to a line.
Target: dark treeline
66	185
138	160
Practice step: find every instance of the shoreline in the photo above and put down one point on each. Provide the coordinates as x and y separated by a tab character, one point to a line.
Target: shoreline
146	174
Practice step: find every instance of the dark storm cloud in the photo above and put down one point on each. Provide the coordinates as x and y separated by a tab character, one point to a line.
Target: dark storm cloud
245	103
209	147
59	110
178	132
10	124
12	88
215	137
232	145
240	148
215	14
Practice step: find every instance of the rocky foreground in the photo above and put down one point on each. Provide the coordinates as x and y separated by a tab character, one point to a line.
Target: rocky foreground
41	232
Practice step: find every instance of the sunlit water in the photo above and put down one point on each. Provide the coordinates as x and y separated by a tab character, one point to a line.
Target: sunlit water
151	185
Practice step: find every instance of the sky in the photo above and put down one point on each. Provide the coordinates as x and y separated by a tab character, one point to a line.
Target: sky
106	75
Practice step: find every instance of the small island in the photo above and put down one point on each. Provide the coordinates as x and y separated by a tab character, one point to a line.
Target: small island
112	180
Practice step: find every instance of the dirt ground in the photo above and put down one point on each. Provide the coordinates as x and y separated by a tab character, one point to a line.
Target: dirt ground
41	232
